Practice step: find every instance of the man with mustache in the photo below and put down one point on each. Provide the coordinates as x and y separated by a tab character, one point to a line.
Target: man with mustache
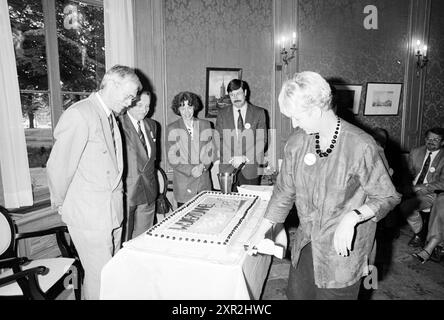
242	131
426	168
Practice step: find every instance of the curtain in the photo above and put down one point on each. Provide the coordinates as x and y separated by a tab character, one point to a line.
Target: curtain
119	33
15	175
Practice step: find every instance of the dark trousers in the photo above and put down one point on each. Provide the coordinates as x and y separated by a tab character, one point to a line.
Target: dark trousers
301	284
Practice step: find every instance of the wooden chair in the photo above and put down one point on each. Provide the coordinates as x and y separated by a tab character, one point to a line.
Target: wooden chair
163	205
41	279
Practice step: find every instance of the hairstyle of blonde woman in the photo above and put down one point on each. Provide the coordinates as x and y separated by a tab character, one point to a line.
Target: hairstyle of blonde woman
118	73
304	91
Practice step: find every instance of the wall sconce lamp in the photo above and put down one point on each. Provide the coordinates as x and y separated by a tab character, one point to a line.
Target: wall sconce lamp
288	55
421	55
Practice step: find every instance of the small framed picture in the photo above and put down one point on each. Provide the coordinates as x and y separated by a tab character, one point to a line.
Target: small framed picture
382	99
348	96
216	94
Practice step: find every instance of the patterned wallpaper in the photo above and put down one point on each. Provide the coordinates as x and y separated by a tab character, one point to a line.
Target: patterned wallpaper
334	42
434	85
222	33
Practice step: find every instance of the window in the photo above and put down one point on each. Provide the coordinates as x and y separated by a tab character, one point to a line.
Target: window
60	57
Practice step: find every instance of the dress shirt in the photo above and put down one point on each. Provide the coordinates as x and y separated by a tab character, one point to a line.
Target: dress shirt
142	126
432	157
108	112
243	110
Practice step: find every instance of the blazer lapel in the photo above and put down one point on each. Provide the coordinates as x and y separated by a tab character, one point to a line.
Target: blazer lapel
419	161
230	118
437	159
150	137
142	157
249	115
107	132
150	145
184	143
195	154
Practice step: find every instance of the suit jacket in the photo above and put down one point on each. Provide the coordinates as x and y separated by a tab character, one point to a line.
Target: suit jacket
185	152
84	170
435	175
253	147
139	175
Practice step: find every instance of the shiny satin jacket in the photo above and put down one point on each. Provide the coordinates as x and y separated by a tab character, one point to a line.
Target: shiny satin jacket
352	175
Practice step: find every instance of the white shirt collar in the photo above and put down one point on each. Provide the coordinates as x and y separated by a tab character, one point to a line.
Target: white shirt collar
105	108
243	111
134	121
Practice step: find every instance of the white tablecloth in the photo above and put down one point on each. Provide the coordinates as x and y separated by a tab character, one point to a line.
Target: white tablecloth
141	271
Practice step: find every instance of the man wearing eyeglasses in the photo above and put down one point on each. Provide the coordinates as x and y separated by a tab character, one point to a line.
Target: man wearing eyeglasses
85	172
242	132
426	168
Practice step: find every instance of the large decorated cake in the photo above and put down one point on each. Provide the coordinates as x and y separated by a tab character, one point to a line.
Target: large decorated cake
211	218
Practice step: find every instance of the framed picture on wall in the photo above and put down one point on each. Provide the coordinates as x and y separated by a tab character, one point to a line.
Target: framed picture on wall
382	99
348	96
216	94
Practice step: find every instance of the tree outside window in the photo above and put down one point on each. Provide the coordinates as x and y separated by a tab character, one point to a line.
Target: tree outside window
79	36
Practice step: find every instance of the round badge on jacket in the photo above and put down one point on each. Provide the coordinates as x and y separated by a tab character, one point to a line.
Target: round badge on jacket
247	126
432	169
310	159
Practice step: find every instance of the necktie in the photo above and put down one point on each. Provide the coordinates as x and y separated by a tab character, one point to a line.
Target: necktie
111	125
142	137
240	122
425	169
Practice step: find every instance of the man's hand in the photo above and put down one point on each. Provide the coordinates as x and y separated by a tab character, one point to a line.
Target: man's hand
236	161
420	189
196	172
343	237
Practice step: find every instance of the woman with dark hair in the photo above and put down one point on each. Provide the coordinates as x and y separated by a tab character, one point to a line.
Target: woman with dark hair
190	148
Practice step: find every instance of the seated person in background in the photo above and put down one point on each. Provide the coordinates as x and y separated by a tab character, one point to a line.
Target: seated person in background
191	149
435	232
426	166
139	174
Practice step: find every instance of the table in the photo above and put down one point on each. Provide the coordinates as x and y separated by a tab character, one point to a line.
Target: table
141	271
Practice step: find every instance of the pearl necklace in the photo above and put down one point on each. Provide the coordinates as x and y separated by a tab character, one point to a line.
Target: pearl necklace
333	142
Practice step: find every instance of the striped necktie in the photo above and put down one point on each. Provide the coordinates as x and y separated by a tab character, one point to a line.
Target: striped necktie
141	136
240	122
111	125
425	169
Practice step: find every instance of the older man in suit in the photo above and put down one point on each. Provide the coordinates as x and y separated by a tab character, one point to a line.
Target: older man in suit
85	172
242	130
140	178
426	168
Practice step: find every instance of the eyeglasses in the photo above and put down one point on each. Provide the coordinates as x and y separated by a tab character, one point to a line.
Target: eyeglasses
434	139
233	94
130	97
